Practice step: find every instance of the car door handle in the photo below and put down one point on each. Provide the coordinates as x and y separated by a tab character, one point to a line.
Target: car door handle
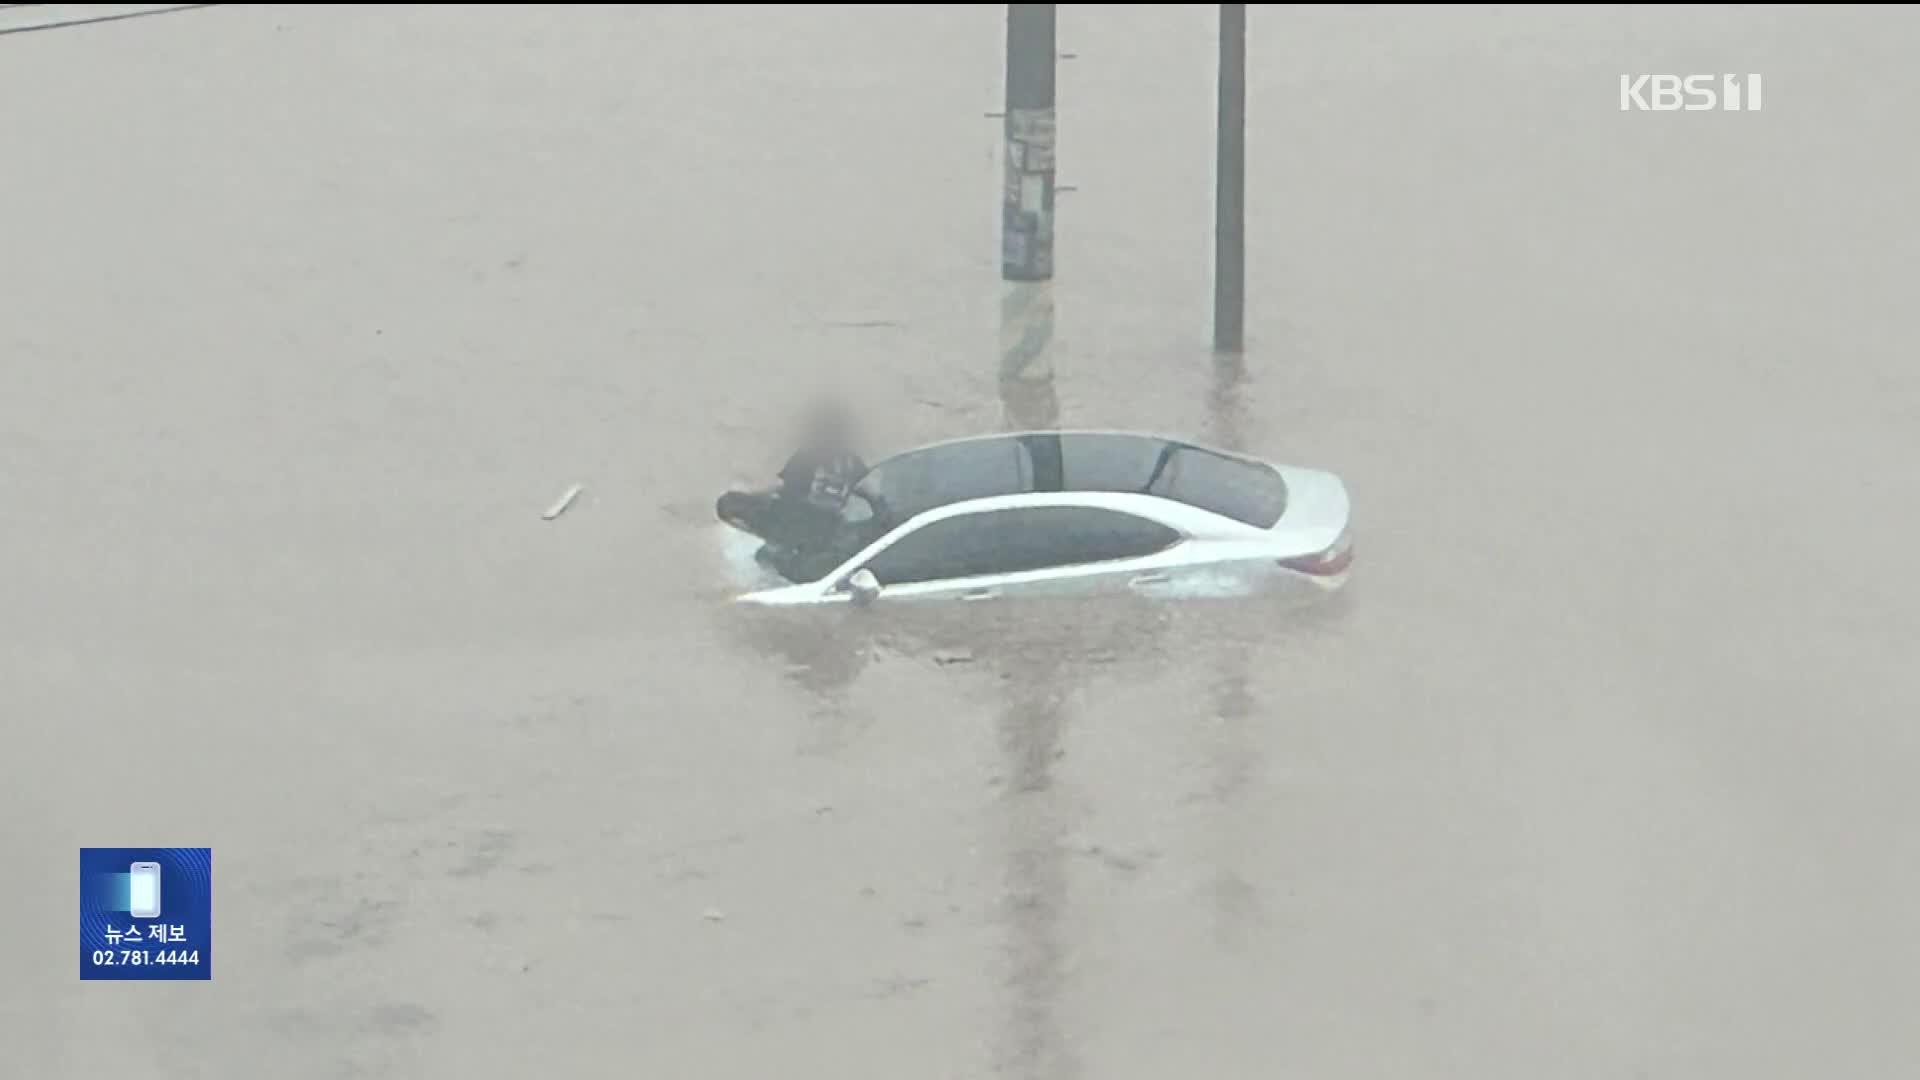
1148	579
978	594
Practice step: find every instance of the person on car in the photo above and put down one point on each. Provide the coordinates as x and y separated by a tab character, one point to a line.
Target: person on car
802	512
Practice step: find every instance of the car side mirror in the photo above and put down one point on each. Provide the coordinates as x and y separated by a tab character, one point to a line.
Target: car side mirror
864	587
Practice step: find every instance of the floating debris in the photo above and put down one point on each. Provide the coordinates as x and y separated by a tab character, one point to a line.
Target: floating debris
714	914
866	324
560	506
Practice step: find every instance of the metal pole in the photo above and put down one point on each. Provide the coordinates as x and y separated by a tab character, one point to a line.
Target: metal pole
1026	222
1230	176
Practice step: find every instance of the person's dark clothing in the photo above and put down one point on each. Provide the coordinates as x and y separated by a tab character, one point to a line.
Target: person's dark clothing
824	478
804	514
814	487
752	511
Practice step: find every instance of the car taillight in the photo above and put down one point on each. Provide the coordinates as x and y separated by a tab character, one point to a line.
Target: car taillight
1335	559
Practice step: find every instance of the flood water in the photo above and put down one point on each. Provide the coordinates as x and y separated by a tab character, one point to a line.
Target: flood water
1601	768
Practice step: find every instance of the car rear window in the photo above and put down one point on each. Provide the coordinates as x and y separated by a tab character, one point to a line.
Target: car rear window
1247	492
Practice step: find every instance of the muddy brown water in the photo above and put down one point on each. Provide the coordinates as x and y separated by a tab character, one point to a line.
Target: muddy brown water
1601	769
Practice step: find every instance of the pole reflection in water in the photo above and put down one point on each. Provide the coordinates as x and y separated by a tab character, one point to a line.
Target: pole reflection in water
1032	739
1032	906
1232	757
1233	764
1026	357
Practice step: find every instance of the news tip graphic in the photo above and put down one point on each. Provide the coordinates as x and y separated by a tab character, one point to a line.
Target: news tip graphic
146	913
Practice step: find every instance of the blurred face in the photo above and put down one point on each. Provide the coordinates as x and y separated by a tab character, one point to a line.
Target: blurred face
825	428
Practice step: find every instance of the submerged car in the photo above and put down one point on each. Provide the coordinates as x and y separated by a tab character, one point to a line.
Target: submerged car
1064	513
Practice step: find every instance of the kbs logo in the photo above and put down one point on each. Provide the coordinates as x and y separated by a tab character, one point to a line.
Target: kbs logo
1693	93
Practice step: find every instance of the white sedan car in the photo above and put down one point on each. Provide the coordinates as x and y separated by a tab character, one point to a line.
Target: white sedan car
1053	513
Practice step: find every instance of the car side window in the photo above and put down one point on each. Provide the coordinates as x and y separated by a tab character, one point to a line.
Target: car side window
950	548
1011	541
1044	537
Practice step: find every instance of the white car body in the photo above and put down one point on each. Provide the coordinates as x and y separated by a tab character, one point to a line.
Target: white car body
1208	554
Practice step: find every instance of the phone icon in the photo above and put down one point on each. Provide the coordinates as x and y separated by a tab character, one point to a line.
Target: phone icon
144	890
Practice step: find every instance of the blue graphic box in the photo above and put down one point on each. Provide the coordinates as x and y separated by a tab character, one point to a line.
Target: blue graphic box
146	913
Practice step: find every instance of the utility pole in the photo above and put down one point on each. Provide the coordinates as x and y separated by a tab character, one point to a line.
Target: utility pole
1026	216
1026	220
1230	177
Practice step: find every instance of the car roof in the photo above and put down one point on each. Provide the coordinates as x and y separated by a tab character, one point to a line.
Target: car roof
1168	512
994	466
1096	439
